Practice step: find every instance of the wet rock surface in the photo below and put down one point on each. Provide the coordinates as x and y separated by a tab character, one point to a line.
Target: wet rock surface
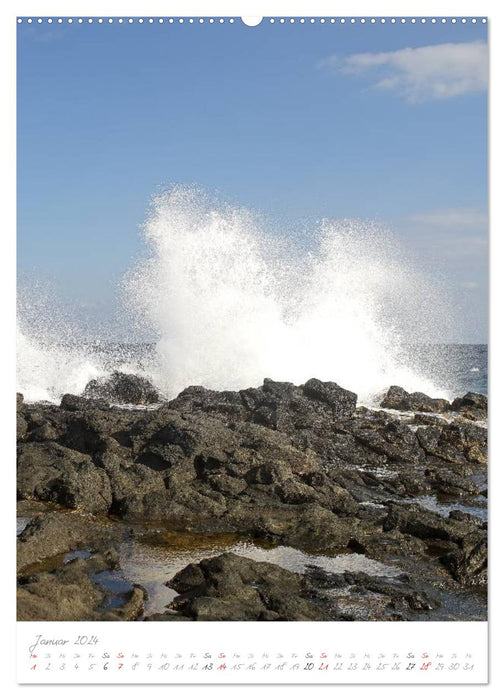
59	558
301	466
52	533
397	398
230	587
473	406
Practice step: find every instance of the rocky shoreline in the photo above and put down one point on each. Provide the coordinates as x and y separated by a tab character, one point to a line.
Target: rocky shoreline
282	465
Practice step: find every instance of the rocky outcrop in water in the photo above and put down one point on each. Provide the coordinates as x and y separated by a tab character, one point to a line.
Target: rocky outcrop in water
295	465
50	534
230	587
122	388
60	557
472	406
399	399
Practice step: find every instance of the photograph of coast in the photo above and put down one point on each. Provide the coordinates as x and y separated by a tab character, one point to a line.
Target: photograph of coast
252	321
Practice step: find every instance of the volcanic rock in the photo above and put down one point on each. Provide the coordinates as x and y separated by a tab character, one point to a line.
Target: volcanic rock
455	442
399	399
471	405
69	592
122	388
51	472
230	587
299	466
53	533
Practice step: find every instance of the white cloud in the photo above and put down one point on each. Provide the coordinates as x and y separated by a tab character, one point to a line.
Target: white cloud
435	72
453	218
456	235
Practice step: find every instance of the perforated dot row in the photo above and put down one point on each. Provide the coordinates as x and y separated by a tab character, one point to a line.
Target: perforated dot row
272	20
123	20
375	20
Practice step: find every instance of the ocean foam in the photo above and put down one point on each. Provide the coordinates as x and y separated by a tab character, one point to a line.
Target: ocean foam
232	305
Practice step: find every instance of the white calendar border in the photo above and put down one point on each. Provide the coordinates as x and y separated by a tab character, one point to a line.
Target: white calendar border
314	8
252	652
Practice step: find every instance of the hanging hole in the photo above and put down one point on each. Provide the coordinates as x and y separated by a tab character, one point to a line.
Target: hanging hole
251	21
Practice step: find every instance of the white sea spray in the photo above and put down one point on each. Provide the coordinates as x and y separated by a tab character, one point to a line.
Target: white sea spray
230	303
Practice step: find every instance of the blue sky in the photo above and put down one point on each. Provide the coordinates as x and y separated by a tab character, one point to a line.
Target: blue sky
298	122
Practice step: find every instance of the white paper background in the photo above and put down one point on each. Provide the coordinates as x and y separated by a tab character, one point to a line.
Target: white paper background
432	645
7	280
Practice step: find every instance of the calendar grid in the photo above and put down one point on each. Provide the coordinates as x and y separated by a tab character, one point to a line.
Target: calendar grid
430	653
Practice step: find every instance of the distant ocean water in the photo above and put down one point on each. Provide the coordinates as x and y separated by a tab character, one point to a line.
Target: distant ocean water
459	368
455	369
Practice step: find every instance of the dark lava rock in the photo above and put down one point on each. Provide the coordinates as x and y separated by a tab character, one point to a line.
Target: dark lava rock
389	545
407	481
384	597
225	404
472	406
295	465
392	439
292	465
446	482
230	587
425	524
97	430
21	427
467	561
396	397
457	442
278	405
21	424
341	402
70	402
59	558
283	406
42	422
71	592
130	483
428	419
51	472
462	516
123	389
469	564
53	533
66	595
